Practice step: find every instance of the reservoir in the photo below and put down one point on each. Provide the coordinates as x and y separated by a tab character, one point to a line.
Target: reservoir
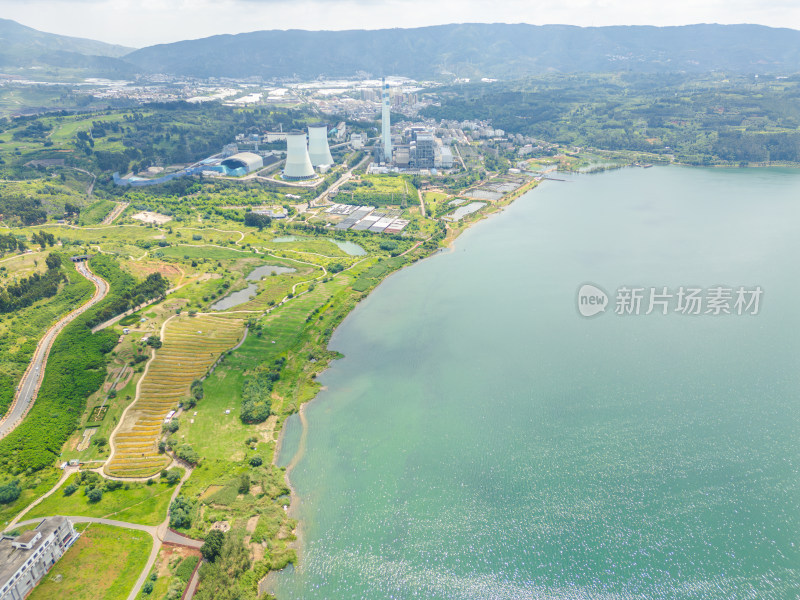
482	439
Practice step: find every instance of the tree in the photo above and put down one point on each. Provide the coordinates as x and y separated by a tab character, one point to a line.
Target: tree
173	476
9	492
256	461
95	495
213	545
70	489
180	513
197	390
252	219
53	261
187	454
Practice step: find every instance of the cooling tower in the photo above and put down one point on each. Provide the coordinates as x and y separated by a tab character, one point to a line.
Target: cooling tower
298	164
318	149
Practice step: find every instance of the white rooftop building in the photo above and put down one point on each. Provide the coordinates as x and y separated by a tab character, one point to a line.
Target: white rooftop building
26	559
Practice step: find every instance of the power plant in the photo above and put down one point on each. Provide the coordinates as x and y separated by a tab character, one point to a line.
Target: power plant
387	125
318	149
298	163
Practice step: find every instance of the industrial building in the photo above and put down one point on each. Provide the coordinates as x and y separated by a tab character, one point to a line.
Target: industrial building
423	151
366	218
242	164
26	559
318	150
298	163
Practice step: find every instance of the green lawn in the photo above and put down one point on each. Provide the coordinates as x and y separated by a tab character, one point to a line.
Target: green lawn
103	563
142	504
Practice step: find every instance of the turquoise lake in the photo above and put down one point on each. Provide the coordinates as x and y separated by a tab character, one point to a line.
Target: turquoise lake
482	440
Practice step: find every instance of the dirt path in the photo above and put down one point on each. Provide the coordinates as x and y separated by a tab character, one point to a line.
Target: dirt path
115	212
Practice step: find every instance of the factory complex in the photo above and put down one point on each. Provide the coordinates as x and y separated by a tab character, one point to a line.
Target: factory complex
366	218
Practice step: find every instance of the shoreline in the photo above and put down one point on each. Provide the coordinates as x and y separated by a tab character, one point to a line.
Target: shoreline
266	584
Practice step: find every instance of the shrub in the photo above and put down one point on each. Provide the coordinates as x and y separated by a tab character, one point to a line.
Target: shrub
9	492
70	489
256	461
186	568
147	588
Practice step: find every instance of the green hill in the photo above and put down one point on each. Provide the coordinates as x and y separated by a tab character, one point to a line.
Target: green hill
22	48
479	50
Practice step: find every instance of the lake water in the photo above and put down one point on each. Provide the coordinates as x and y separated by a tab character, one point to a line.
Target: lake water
242	296
481	439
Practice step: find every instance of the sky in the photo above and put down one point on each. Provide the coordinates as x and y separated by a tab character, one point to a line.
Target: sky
139	23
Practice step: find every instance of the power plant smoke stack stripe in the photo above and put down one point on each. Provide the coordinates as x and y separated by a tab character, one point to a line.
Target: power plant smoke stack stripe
386	124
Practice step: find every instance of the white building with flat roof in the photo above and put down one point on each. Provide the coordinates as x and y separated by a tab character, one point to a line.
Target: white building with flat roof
26	558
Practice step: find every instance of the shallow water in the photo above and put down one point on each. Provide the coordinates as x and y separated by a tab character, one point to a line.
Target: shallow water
244	295
480	439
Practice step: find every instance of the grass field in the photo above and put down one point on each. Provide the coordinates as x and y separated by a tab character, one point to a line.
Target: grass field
141	503
188	251
95	213
32	486
191	345
103	563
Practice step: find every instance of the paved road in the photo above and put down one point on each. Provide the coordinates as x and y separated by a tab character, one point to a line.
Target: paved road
151	529
32	379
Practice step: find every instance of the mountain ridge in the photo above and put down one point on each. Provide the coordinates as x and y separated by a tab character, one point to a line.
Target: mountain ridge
477	49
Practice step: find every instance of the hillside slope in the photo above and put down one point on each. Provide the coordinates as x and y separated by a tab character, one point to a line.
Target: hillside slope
472	50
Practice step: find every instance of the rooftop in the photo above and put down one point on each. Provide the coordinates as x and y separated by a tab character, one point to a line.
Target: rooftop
11	558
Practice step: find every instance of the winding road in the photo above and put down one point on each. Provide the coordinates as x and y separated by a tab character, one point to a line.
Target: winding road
33	376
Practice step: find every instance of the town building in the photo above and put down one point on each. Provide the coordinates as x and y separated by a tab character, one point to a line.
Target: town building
26	559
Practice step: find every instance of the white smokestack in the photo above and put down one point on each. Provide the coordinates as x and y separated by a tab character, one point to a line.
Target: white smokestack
386	123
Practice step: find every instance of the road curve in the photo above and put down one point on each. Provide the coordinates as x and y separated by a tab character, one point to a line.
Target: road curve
32	378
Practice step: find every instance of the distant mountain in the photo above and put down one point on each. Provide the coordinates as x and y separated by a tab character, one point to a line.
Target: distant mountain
473	50
23	47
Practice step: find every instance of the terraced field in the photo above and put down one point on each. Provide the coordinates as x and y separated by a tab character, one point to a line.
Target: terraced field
191	345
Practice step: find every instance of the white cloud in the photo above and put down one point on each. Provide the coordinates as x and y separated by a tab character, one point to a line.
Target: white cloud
145	22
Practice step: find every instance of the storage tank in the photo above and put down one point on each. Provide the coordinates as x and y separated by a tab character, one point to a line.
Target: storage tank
318	149
298	164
